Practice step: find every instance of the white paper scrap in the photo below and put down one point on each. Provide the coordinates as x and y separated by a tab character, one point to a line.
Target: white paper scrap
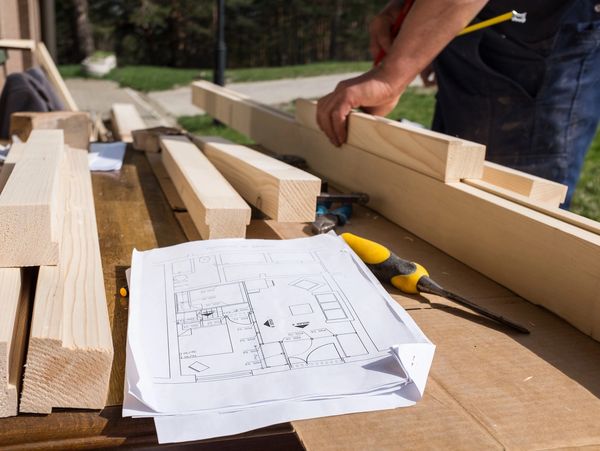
226	336
106	156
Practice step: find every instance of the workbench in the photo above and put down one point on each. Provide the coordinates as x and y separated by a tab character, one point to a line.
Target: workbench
489	388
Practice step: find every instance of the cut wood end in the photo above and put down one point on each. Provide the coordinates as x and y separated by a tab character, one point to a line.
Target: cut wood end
66	378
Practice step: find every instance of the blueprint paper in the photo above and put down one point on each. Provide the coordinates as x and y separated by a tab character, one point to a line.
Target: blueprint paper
296	328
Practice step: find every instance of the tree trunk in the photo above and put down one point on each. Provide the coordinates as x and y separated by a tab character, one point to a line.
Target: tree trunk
335	28
84	28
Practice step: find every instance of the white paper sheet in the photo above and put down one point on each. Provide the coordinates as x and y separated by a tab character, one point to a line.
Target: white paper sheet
296	329
179	428
106	156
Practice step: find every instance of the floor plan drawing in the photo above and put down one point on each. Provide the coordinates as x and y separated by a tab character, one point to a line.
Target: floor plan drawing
228	325
232	330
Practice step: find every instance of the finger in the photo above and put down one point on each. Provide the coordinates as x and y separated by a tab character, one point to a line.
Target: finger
324	118
340	123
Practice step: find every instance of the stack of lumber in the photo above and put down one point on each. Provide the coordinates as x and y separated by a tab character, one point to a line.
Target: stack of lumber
210	186
442	193
48	222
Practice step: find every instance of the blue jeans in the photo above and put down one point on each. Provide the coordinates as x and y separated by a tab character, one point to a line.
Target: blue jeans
537	110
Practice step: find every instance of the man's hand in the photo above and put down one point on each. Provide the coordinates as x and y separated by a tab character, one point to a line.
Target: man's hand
369	90
426	30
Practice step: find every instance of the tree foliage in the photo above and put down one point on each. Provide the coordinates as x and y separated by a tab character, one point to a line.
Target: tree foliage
180	33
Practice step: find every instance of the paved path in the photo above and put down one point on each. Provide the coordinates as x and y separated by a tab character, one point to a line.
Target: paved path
177	102
97	96
165	106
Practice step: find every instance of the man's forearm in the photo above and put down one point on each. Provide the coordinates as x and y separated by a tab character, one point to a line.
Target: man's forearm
427	29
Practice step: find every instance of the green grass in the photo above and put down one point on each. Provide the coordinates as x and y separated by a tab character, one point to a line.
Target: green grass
586	200
155	78
305	70
416	105
204	125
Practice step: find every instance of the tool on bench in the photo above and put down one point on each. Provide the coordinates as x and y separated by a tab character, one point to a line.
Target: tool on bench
327	219
410	277
512	15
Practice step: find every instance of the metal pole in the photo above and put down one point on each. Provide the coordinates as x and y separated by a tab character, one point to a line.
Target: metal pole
220	48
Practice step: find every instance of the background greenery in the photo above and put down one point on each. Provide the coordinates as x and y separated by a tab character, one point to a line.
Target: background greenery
156	78
179	33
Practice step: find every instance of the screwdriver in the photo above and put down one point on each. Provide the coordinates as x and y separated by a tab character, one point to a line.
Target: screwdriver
410	277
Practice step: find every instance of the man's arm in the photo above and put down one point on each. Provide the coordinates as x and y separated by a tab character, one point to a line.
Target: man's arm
427	29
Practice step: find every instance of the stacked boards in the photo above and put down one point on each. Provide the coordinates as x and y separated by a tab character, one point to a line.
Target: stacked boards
216	184
47	209
210	181
523	244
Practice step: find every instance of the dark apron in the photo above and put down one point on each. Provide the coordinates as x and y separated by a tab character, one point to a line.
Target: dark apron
535	109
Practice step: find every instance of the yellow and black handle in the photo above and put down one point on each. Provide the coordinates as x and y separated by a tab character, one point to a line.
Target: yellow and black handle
410	277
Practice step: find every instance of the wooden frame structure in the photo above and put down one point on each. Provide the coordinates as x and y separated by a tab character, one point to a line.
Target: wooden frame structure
545	260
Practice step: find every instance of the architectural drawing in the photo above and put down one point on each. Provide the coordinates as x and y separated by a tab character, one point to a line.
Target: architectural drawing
234	315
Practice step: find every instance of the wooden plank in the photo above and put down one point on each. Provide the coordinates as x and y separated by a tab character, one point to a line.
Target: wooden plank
216	208
434	154
77	126
15	152
535	188
70	349
280	191
17	44
45	60
29	203
514	245
10	291
546	208
16	293
187	225
125	119
166	184
147	139
440	156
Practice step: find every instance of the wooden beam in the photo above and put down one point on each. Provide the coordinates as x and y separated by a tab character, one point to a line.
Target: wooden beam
535	188
10	291
70	351
125	119
30	203
187	225
280	191
518	247
16	294
45	60
439	156
77	126
17	44
164	180
216	208
147	139
542	207
15	152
